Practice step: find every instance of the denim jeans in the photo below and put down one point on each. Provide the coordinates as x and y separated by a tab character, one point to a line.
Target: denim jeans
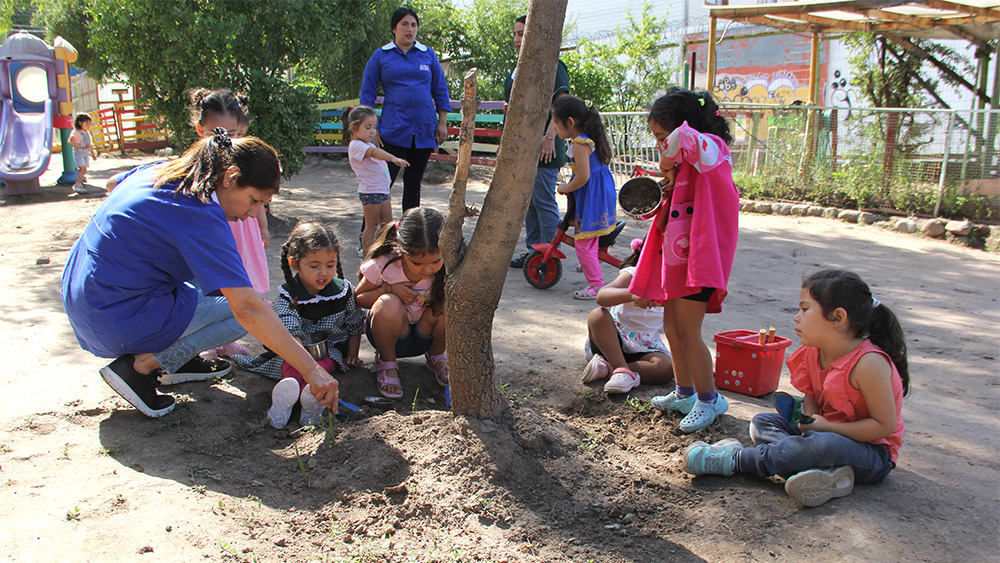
783	450
543	212
213	325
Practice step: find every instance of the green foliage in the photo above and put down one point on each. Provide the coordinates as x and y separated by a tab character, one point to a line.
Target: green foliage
167	48
480	36
624	73
72	20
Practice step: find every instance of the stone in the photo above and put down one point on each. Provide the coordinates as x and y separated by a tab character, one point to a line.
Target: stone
800	210
906	226
993	240
42	260
831	212
960	228
782	208
867	218
933	228
815	211
762	207
747	206
849	215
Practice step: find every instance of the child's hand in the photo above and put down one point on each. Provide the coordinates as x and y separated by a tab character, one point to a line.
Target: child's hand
404	293
265	238
560	189
353	361
400	162
819	424
667	183
644	303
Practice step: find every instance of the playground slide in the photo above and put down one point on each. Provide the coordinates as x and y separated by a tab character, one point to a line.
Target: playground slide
25	142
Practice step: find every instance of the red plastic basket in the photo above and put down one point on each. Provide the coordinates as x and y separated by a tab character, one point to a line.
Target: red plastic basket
744	366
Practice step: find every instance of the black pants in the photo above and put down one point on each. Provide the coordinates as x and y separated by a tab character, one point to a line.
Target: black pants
412	175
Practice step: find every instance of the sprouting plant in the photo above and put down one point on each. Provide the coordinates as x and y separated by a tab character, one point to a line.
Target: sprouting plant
111	450
590	442
200	489
73	515
636	405
327	423
302	465
119	499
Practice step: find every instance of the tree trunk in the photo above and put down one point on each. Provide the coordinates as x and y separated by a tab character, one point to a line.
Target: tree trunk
475	281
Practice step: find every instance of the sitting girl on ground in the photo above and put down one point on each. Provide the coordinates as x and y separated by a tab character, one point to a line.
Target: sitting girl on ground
624	335
315	302
369	163
852	369
402	283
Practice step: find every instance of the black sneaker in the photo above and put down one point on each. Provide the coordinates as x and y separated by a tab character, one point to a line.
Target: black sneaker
198	369
138	389
519	261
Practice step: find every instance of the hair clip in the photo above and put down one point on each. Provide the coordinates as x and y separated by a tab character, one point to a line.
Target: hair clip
636	244
716	112
589	104
875	302
222	139
701	101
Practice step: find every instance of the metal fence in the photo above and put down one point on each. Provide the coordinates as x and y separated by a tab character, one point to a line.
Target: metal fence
921	161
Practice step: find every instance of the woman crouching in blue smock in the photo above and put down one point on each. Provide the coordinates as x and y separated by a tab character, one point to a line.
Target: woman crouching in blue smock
156	278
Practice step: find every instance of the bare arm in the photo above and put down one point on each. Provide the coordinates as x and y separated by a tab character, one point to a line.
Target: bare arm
616	293
260	321
381	154
442	128
872	376
581	160
367	293
265	236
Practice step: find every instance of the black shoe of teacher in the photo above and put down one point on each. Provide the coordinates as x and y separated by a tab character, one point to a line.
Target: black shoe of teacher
136	388
519	261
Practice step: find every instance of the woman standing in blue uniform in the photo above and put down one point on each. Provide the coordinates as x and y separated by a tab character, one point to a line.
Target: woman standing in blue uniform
414	89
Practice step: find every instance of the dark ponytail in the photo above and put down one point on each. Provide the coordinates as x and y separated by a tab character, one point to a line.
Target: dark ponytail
697	108
200	168
834	289
588	119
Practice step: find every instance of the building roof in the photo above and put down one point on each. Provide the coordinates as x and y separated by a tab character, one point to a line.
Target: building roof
977	21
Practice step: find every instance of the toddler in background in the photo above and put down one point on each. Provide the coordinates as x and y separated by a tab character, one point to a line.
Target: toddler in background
369	163
83	150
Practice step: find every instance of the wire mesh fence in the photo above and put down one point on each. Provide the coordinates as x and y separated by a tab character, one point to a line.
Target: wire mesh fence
907	161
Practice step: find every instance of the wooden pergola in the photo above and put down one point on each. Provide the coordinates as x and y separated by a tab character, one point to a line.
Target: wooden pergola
976	21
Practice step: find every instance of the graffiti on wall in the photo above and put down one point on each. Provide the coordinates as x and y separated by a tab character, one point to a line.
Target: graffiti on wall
761	88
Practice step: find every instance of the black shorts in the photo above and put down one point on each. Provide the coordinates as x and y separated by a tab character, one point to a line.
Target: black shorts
629	356
413	343
701	297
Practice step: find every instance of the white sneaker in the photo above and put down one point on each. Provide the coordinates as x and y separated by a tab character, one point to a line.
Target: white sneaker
816	486
312	411
283	397
79	188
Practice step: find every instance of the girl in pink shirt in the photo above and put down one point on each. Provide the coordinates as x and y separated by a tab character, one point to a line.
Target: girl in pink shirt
852	368
689	250
402	283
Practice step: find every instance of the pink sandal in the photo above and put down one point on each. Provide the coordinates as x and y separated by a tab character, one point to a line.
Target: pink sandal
440	372
384	380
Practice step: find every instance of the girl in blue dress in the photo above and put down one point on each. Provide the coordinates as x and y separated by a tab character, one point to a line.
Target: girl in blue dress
592	185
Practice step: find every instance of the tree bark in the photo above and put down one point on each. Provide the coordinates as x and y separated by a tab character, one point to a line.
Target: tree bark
474	282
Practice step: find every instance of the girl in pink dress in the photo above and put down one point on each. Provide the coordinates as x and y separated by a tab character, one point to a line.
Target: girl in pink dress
691	244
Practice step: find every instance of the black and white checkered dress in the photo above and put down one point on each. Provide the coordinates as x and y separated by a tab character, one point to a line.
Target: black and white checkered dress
332	311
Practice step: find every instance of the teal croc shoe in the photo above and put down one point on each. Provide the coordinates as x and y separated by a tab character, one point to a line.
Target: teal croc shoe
703	414
672	402
717	459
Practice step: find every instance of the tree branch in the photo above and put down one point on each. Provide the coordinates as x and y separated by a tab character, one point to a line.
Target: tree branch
451	230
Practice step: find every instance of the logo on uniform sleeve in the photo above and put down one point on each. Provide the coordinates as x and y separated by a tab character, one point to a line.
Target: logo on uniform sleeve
425	67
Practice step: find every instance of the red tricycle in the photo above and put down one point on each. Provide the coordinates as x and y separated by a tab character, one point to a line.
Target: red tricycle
543	267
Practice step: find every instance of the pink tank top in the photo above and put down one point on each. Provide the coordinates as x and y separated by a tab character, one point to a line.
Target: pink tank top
831	388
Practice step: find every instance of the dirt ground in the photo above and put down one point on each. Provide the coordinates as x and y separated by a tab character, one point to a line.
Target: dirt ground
570	475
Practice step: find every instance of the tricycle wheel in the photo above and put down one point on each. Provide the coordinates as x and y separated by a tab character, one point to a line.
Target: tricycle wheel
542	273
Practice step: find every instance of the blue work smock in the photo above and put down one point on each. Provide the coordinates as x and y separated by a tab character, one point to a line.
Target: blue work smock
415	91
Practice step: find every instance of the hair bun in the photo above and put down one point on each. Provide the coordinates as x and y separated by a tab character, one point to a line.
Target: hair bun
636	244
221	138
